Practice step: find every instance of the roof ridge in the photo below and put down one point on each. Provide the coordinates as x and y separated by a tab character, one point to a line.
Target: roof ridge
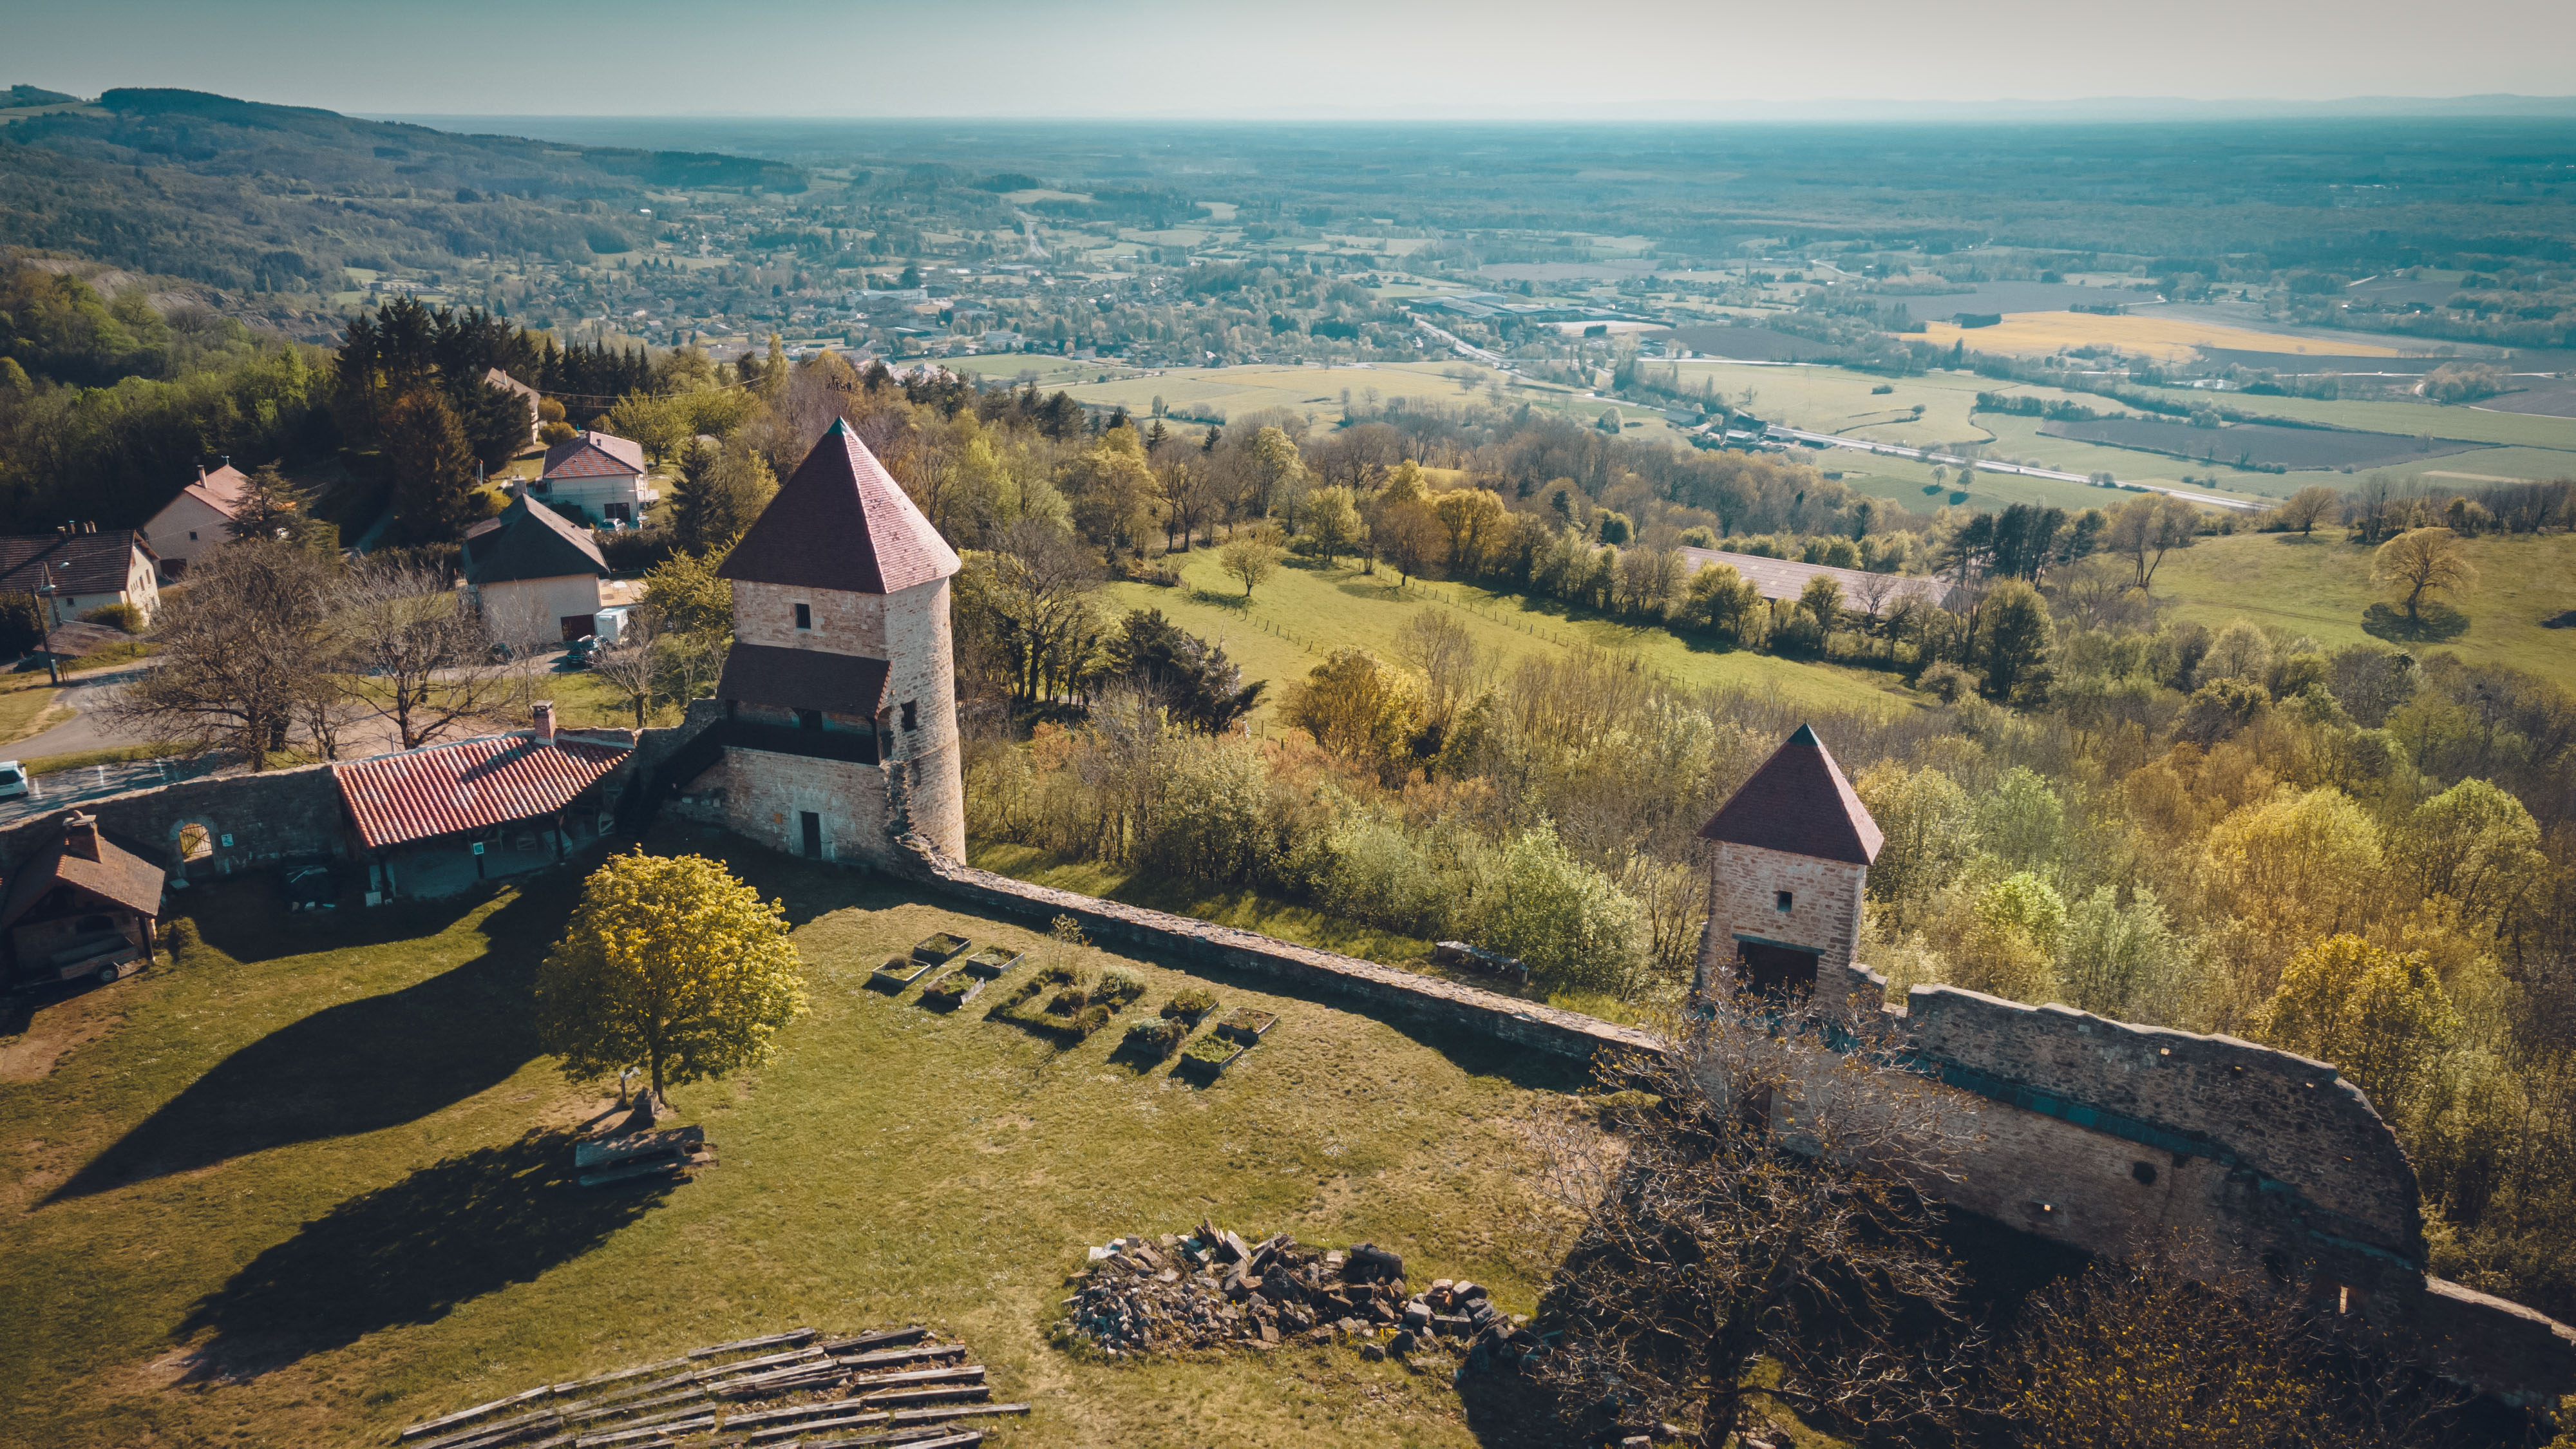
1799	802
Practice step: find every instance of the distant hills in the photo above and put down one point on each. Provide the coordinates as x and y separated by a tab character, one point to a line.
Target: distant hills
255	197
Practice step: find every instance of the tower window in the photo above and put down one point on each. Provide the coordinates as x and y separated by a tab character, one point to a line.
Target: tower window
804	616
911	717
1781	901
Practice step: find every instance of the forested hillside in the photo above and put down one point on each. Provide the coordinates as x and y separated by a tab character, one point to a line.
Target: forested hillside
256	197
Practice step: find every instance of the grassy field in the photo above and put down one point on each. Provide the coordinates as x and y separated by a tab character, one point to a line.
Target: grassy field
1303	613
2170	339
27	706
2319	586
310	1185
2408	419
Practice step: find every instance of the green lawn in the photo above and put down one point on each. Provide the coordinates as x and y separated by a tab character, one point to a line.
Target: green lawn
2319	586
1305	612
309	1185
24	704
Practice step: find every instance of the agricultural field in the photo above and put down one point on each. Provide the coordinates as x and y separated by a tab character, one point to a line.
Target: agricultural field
2409	419
2169	339
2293	448
2320	585
1306	611
1316	392
312	1183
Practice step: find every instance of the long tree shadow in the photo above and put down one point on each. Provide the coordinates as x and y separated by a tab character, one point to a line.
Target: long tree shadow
351	1068
410	1253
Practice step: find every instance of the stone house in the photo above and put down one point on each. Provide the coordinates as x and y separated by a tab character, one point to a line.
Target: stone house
535	574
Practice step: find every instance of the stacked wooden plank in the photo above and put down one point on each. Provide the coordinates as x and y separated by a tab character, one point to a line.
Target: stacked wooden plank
639	1156
901	1386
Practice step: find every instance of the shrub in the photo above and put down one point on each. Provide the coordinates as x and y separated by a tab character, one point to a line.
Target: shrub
184	943
125	617
1117	988
1190	1004
1093	1018
1945	681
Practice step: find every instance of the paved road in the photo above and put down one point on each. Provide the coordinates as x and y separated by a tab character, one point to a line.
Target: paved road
1465	348
87	729
66	788
1989	465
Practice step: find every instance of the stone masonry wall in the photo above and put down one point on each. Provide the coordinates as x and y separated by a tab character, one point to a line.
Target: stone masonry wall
1364	983
923	763
845	622
273	816
764	794
1744	886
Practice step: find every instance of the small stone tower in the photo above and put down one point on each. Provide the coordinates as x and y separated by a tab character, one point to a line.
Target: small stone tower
1791	852
840	696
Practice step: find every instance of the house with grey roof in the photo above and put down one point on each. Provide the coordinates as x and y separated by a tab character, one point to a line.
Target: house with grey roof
534	572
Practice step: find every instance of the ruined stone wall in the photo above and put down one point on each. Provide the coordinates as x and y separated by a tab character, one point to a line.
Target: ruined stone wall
273	816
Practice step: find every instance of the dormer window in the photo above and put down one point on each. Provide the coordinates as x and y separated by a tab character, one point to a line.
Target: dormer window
1781	901
804	616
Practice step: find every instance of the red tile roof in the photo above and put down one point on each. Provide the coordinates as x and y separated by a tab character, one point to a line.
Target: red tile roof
841	522
79	563
1799	802
595	455
469	785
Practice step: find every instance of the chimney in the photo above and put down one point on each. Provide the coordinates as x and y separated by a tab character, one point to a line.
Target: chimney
80	835
545	722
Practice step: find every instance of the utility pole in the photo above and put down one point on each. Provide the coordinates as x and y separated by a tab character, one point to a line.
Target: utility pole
53	597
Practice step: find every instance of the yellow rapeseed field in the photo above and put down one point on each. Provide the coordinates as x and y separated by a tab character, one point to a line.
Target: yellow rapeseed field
2167	339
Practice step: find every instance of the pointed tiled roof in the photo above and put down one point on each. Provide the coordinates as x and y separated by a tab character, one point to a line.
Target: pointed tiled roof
840	521
1799	802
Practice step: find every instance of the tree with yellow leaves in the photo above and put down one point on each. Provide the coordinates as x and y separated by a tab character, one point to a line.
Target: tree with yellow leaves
2422	561
2377	1016
670	964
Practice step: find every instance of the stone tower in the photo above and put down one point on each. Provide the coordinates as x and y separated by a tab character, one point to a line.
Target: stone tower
1791	852
840	698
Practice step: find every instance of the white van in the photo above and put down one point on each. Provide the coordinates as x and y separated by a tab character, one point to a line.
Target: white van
13	779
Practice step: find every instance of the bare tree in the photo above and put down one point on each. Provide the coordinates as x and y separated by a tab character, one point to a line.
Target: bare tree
1436	644
2144	530
631	666
1758	1193
424	651
1032	595
246	651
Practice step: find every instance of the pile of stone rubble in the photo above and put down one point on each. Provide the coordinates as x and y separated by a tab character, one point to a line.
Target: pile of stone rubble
1212	1290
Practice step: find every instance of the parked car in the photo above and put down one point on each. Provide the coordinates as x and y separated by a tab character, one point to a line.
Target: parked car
582	648
13	779
307	888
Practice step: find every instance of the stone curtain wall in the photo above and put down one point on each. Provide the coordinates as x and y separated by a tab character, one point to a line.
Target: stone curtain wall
1364	983
278	815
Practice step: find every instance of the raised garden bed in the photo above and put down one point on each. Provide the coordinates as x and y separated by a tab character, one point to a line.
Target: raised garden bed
939	950
1209	1056
1246	1025
953	990
1191	1004
992	961
1154	1040
899	972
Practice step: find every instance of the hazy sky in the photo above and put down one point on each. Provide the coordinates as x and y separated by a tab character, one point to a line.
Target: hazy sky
1464	58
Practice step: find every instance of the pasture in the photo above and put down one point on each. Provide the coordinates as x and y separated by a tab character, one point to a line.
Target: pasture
312	1183
2169	339
2319	586
1306	611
